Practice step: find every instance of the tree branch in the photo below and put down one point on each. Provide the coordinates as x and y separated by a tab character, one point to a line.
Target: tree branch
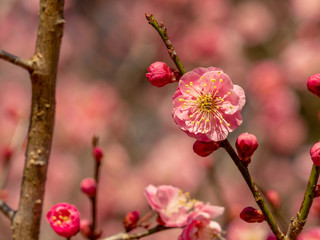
26	64
26	221
297	224
254	190
128	236
161	29
6	209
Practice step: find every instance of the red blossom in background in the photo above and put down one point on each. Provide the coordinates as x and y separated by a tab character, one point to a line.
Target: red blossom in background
207	105
64	219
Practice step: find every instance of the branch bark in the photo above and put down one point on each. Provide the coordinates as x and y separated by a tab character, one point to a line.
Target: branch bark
26	221
24	63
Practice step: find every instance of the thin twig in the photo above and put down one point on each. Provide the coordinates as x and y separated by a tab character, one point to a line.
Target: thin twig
128	236
254	190
6	209
161	29
24	63
297	224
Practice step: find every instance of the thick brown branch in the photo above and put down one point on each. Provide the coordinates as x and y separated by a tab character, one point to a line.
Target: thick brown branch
26	64
6	209
26	222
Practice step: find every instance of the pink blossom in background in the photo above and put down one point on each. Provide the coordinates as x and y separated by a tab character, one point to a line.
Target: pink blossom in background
310	234
254	21
306	10
64	218
171	203
206	105
239	230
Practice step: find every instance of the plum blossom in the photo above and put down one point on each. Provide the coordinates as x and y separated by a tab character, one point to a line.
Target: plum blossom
171	203
199	225
64	218
207	105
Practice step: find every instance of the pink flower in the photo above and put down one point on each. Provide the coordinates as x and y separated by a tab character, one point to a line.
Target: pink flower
199	225
246	145
313	84
315	154
310	234
171	203
89	186
206	105
200	230
160	74
64	218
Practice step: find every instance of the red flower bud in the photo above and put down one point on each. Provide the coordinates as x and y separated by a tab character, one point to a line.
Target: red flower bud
252	215
273	198
246	144
97	154
7	154
315	154
204	149
313	84
86	230
160	74
89	186
317	191
131	220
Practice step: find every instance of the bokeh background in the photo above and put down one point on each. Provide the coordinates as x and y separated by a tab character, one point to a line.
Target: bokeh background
269	48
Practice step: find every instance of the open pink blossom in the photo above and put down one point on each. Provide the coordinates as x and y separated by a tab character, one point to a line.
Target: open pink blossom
201	230
171	203
64	218
207	105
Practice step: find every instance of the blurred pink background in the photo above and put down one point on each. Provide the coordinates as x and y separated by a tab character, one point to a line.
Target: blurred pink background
269	48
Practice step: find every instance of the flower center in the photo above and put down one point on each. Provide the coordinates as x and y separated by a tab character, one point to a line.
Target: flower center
205	103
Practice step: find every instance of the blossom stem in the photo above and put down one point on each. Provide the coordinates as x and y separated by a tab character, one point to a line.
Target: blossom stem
253	188
24	63
94	202
298	223
127	236
162	30
6	210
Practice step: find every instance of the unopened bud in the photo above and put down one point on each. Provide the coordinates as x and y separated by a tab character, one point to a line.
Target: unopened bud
7	153
313	84
246	145
131	220
89	186
273	198
252	215
97	154
86	230
315	154
160	74
204	149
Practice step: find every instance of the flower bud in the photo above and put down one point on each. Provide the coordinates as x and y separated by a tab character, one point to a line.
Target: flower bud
252	215
7	154
86	230
131	220
313	84
246	144
160	74
97	154
204	149
315	154
89	186
317	191
273	198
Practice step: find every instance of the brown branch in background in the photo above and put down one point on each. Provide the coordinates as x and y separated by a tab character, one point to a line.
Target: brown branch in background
26	221
6	209
26	64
